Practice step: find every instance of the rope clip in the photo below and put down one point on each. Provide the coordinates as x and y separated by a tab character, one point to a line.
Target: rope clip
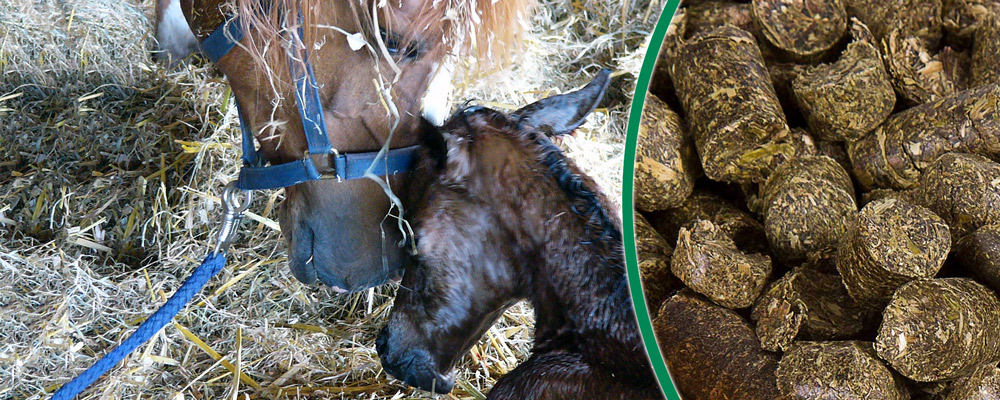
233	209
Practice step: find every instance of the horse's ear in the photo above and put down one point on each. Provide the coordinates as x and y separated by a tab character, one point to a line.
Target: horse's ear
561	114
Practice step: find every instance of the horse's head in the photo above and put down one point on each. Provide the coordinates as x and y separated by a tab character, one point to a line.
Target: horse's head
345	233
475	249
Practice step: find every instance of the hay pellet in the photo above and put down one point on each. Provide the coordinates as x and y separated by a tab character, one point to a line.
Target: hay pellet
846	370
712	352
918	74
848	98
801	29
984	384
964	189
808	202
986	52
979	254
666	165
919	18
712	14
708	262
806	304
940	329
738	125
891	243
739	225
894	154
961	18
654	263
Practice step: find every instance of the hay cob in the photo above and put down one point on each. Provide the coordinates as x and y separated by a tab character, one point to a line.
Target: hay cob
964	190
893	155
848	370
848	98
739	128
666	164
920	75
737	224
940	329
984	384
961	18
724	362
919	18
654	263
986	51
891	243
709	262
801	29
979	254
808	202
806	304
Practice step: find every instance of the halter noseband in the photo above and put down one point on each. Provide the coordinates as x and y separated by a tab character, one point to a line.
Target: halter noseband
322	161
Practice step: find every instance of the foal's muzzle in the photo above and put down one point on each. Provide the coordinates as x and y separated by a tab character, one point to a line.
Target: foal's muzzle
415	366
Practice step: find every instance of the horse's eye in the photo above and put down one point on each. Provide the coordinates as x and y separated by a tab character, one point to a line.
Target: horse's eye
394	43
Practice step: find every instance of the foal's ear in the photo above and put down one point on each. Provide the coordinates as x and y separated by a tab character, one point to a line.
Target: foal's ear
434	142
561	114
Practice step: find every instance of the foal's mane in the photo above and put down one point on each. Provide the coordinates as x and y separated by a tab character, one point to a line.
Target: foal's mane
489	30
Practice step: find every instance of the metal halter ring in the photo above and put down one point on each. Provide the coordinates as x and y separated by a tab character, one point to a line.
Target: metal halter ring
233	210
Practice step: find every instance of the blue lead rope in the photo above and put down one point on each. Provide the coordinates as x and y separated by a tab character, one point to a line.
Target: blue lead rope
192	285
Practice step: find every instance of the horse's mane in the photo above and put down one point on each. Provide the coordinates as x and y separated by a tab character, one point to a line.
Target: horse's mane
586	201
486	29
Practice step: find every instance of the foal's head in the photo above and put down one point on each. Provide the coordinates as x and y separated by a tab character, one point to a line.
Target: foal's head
479	228
345	233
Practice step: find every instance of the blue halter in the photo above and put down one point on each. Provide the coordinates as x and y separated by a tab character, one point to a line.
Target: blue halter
321	161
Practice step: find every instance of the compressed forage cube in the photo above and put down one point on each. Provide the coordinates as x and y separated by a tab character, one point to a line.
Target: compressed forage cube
964	189
919	18
712	352
891	243
920	76
802	29
847	370
806	304
894	154
713	14
708	262
986	52
979	253
984	384
940	329
737	224
961	18
654	263
733	112
848	98
666	164
808	202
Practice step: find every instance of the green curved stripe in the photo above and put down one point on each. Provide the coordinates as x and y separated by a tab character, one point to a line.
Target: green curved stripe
641	311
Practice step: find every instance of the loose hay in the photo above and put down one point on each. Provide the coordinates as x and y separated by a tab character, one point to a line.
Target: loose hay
109	164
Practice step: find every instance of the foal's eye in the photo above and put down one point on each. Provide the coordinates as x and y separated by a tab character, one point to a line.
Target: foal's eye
394	43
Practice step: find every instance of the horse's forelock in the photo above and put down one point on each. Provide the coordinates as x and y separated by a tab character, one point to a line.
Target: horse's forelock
489	30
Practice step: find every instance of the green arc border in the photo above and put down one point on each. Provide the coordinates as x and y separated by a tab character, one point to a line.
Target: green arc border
631	261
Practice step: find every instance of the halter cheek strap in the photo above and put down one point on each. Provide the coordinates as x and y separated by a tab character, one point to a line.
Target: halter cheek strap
322	161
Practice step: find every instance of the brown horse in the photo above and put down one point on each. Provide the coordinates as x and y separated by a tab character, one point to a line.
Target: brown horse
506	216
343	233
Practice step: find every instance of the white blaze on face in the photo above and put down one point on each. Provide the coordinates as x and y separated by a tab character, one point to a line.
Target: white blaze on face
173	35
435	104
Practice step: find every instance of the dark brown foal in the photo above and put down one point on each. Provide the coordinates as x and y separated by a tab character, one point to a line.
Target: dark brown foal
506	216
